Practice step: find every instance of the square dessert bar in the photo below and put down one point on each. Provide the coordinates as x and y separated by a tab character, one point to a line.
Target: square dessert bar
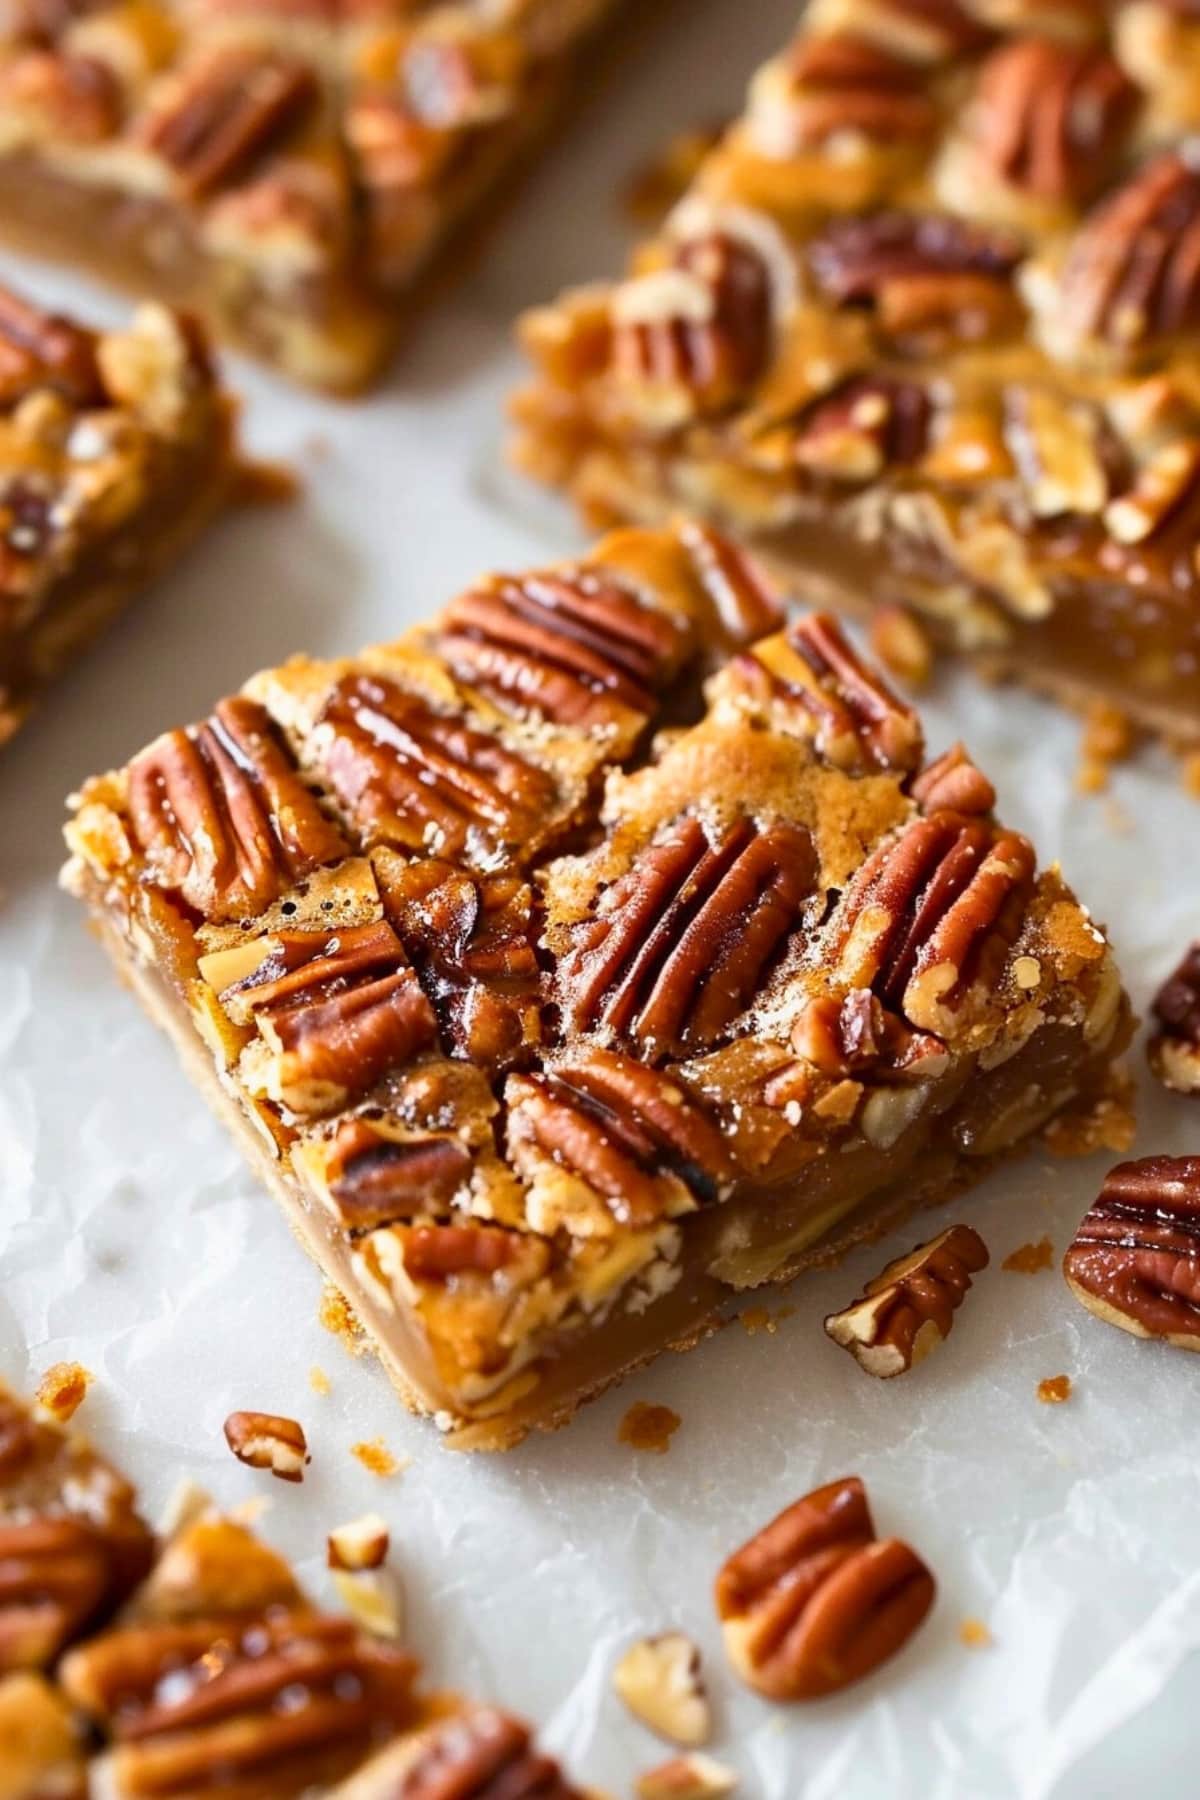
116	449
552	1037
924	330
287	168
197	1665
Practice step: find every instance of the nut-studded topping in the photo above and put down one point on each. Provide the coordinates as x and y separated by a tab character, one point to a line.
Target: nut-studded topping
618	1126
1050	118
703	325
338	1009
858	1034
1133	271
928	919
268	1441
952	783
222	817
477	1754
924	277
74	98
908	1309
1174	1050
571	645
679	946
1135	1259
814	1602
429	780
269	1703
375	1179
869	424
658	1678
42	350
221	112
839	87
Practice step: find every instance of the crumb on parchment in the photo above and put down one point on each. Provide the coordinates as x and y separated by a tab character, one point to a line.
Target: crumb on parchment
1030	1259
374	1455
1054	1390
62	1390
337	1316
318	1380
649	1428
975	1634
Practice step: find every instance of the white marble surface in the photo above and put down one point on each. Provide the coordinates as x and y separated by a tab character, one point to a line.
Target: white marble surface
132	1238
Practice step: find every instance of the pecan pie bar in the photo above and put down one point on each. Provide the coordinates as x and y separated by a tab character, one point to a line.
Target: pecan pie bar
924	330
549	1041
116	450
288	168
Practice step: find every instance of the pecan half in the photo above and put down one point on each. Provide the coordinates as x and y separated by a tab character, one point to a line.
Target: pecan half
924	276
1174	1050
1133	271
839	86
222	111
679	946
1135	1259
429	780
268	1441
222	817
703	325
55	1578
619	1126
814	1601
908	1309
747	603
1050	118
475	1754
858	722
338	1009
76	98
869	424
571	645
42	350
443	1252
374	1179
272	1702
931	914
952	783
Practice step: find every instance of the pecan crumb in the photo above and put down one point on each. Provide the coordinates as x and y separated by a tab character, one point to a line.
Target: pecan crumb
649	1428
318	1380
1109	1123
1054	1390
62	1390
1030	1259
374	1455
975	1634
337	1316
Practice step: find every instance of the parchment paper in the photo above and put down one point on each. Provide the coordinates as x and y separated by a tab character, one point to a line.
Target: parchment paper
134	1240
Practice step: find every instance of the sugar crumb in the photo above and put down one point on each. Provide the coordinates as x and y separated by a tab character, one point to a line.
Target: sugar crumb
1054	1390
649	1428
1030	1259
337	1316
374	1455
318	1380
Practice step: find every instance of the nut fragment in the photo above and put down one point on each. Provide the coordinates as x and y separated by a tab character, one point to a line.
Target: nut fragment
1049	118
1174	1050
221	110
359	1544
814	1601
62	1390
688	1777
908	1310
42	350
902	645
1135	1259
1128	278
373	1597
268	1441
659	1680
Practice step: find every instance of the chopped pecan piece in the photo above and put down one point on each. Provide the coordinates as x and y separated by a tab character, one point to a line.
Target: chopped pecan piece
566	645
476	1754
679	946
338	1009
869	424
1133	270
1050	118
659	1680
1135	1259
857	1033
931	914
924	276
618	1126
375	1179
1174	1050
814	1601
268	1441
428	780
222	111
703	325
42	350
222	817
952	783
359	1544
441	1252
908	1309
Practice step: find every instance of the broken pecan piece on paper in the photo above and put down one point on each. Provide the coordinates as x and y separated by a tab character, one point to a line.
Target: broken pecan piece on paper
268	1441
815	1601
1174	1049
908	1309
1135	1259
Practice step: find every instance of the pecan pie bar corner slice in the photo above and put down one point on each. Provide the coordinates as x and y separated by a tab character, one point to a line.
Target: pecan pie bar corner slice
116	450
551	1034
924	332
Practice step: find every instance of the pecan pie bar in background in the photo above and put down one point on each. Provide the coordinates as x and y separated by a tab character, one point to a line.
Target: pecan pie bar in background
287	170
116	450
925	331
550	1041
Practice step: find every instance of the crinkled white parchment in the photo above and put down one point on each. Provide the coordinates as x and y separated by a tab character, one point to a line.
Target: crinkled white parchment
134	1239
